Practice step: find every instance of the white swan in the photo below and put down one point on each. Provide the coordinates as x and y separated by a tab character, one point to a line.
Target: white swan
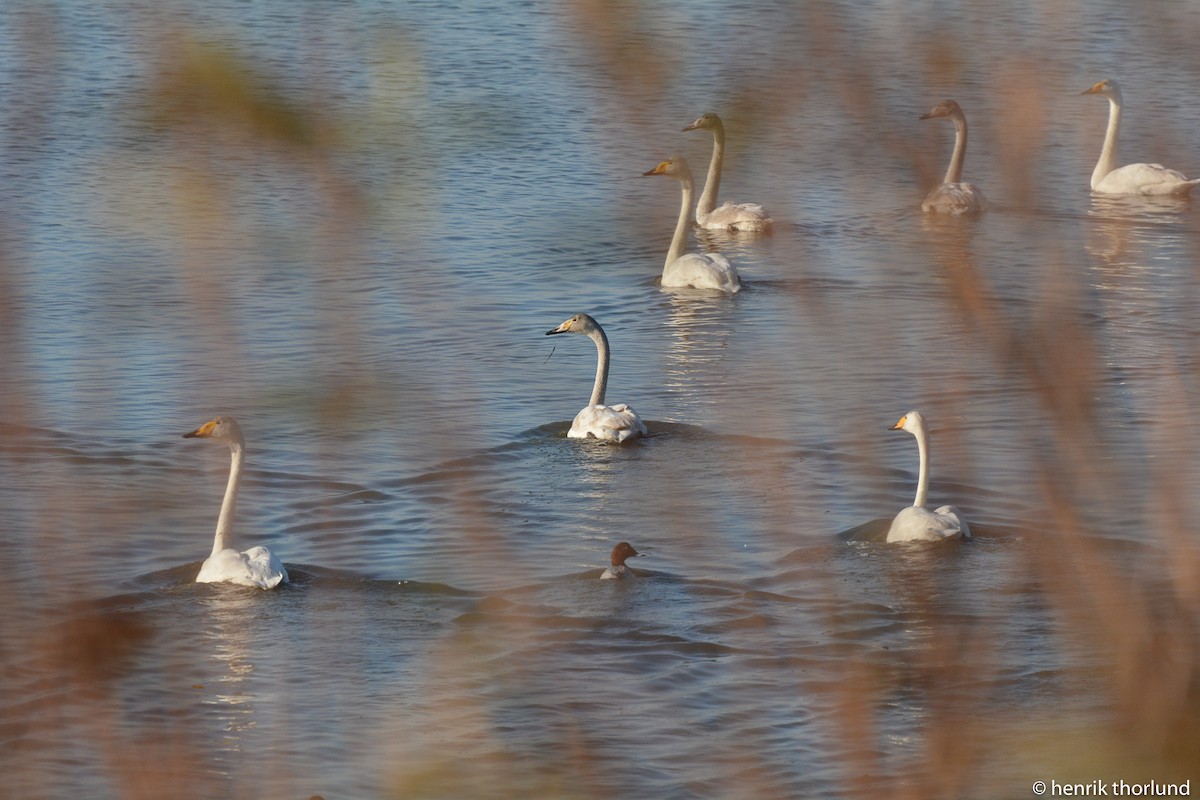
730	216
616	423
917	523
692	270
618	570
1145	179
954	196
257	566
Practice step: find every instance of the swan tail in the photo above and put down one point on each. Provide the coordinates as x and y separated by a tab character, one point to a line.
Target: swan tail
616	423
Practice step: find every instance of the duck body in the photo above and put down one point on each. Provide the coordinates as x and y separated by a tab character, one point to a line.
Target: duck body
617	569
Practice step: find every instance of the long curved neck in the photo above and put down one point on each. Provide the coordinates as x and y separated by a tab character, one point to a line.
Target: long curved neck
1108	153
712	184
679	241
923	475
224	536
601	384
954	173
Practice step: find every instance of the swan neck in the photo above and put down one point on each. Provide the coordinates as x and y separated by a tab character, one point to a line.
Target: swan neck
954	173
223	539
601	367
679	241
1108	153
923	475
712	184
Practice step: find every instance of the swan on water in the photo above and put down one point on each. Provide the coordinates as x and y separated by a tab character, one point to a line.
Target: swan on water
617	570
917	523
257	566
730	216
616	423
1144	179
954	196
691	270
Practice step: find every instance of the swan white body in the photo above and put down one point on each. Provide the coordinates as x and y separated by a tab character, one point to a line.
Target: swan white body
692	270
1139	179
730	216
616	423
257	566
954	196
617	569
917	523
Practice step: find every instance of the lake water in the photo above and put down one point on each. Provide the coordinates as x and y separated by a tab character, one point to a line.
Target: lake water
350	225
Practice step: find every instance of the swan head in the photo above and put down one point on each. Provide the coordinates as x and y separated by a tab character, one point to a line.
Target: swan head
1107	87
222	429
580	323
706	122
622	551
912	422
946	108
674	167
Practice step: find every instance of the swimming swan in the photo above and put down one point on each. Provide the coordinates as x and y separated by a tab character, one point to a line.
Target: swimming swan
258	566
954	196
618	570
1146	179
917	523
731	216
692	270
617	423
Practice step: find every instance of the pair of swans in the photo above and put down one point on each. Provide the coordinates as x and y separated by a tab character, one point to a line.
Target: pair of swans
956	197
705	270
258	566
953	196
616	423
917	523
1135	179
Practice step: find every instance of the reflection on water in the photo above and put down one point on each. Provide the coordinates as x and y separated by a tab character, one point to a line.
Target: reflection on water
350	225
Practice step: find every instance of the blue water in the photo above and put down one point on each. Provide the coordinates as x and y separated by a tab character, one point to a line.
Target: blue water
350	226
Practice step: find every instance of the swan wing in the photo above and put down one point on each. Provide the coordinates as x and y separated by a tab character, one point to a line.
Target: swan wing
956	199
736	217
616	423
952	515
701	271
257	567
1147	179
917	524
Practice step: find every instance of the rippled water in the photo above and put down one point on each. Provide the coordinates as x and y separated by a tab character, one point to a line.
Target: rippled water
372	309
